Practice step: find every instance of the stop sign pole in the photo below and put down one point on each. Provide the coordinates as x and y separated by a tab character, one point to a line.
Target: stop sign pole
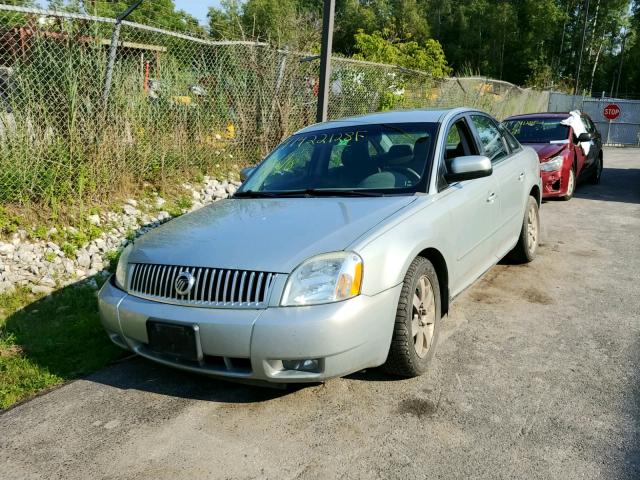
610	112
325	59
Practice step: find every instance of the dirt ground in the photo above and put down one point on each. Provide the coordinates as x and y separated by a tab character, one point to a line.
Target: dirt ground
536	376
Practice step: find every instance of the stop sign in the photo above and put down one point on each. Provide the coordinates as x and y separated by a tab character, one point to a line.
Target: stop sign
611	111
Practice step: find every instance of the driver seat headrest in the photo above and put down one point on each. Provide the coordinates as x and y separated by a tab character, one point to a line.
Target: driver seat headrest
399	155
355	154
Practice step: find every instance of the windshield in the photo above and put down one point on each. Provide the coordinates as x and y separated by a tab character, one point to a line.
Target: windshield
538	130
382	158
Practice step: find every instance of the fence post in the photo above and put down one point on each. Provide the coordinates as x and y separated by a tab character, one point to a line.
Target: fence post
325	59
113	48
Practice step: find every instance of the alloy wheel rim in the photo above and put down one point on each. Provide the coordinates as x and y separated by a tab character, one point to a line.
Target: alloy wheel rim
532	229
572	182
423	316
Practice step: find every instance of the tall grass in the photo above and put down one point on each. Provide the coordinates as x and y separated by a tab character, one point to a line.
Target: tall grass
61	144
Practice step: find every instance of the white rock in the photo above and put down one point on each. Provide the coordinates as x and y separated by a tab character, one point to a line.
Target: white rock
130	210
132	202
83	259
41	289
6	287
6	248
163	216
160	202
47	281
53	246
94	219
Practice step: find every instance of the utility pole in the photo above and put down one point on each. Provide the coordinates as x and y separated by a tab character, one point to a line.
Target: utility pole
624	41
325	59
584	34
113	48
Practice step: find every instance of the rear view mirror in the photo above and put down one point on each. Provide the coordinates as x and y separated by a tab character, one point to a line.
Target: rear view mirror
585	137
468	168
245	172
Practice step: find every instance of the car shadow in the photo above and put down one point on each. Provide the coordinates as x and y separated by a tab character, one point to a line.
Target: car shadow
135	373
616	185
61	336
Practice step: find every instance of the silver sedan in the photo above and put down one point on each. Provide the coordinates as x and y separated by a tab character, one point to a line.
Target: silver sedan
341	251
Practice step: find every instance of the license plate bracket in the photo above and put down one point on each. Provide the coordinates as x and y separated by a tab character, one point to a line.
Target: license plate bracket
175	340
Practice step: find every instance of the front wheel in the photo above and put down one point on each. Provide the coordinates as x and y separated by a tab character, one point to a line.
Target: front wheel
527	246
597	174
416	328
571	185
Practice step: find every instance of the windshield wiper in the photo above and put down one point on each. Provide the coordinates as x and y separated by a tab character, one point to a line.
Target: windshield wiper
308	192
327	192
254	194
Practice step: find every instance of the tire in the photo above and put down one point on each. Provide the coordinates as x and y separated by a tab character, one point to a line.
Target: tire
527	246
571	187
416	329
597	173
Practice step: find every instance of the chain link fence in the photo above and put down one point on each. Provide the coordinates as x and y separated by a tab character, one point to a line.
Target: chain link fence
178	106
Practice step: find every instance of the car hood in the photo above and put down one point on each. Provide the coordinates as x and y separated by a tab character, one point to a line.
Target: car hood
548	150
271	235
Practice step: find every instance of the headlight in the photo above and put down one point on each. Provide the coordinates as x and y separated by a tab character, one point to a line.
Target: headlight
326	278
552	165
121	269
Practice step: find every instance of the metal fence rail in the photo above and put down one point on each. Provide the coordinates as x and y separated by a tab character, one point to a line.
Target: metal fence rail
178	105
623	130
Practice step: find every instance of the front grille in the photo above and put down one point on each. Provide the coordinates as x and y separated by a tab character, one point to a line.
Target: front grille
213	287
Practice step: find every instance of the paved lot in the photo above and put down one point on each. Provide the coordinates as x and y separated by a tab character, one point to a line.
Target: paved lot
536	376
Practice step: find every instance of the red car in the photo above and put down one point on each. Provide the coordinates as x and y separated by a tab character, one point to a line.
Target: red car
563	162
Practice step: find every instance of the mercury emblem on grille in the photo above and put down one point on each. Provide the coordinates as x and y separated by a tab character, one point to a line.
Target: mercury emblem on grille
184	283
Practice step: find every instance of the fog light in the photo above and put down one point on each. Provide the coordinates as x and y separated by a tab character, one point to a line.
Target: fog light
308	365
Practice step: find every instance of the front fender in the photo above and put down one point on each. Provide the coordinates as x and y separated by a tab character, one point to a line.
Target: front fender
388	252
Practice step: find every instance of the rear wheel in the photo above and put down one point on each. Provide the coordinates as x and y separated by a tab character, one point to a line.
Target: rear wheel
416	327
595	176
527	246
571	185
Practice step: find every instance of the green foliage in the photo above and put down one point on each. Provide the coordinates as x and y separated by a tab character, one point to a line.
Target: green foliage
537	42
112	259
428	57
49	341
9	223
177	207
158	13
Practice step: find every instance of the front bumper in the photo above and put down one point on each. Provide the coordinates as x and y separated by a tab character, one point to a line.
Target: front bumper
555	184
250	344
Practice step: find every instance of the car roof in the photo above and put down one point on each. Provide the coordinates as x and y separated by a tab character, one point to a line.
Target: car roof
397	116
539	115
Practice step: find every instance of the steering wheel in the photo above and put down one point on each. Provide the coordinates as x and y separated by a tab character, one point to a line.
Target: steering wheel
410	173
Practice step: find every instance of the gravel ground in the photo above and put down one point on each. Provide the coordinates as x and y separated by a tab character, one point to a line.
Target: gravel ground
535	377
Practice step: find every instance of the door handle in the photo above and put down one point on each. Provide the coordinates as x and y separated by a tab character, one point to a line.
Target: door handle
521	177
491	197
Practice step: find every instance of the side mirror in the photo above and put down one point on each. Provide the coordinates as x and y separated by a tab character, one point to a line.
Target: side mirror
585	137
245	172
468	168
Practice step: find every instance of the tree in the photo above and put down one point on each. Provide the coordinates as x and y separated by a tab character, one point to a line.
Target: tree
158	13
427	57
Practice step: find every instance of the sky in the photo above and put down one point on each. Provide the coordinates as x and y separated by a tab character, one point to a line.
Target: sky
197	8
